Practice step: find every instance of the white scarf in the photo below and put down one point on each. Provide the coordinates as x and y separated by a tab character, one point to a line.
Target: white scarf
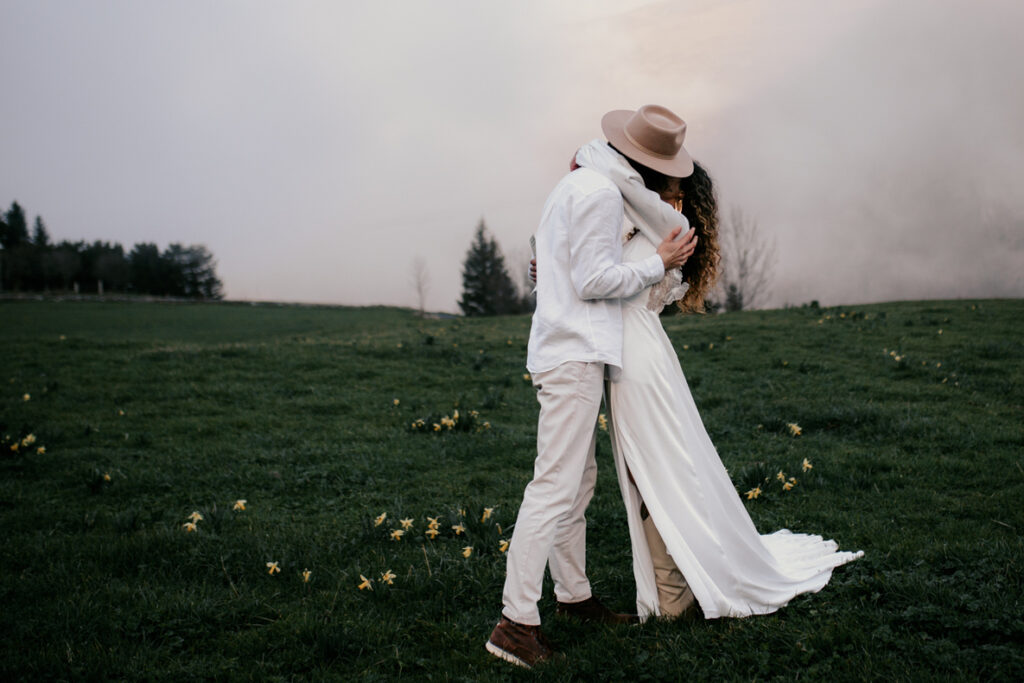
644	209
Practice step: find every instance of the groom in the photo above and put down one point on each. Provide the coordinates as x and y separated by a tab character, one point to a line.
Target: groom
576	333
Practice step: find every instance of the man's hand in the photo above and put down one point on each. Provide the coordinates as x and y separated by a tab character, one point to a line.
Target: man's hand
674	253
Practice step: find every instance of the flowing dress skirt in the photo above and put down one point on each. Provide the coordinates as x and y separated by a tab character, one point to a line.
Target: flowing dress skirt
657	434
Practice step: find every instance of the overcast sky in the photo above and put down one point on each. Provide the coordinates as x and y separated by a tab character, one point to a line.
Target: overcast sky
318	148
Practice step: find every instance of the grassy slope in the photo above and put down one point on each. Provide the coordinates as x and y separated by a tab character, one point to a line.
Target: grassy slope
917	461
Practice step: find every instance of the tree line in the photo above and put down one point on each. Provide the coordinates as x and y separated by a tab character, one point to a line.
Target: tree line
32	263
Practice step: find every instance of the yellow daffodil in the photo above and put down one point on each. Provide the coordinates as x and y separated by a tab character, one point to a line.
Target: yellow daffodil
728	339
526	377
498	527
754	493
432	533
195	516
239	504
455	416
388	578
366	583
487	425
41	450
397	534
503	545
458	529
189	526
272	568
120	413
806	465
380	519
432	522
711	346
106	477
28	440
788	485
406	523
474	413
26	397
437	427
794	428
780	476
602	422
686	347
487	514
15	446
462	512
395	402
305	575
467	551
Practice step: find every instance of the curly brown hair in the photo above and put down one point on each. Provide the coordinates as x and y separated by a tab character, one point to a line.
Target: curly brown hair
700	206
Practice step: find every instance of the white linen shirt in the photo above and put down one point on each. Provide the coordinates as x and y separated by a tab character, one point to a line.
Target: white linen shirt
580	275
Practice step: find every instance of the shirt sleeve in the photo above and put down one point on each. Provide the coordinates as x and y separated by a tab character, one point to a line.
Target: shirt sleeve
595	250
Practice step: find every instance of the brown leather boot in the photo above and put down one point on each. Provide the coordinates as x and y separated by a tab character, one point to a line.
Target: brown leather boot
592	610
519	644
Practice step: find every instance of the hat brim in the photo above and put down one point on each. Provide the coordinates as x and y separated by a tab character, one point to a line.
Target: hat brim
614	126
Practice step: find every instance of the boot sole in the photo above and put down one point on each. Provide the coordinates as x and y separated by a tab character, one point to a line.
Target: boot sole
506	655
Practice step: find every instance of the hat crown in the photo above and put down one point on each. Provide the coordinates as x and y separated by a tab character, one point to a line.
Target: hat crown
656	130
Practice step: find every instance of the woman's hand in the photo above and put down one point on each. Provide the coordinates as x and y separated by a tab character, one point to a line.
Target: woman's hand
533	270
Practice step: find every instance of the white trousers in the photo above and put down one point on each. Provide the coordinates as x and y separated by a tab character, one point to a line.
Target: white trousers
550	528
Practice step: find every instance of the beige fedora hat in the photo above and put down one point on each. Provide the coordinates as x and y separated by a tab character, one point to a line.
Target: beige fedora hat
652	135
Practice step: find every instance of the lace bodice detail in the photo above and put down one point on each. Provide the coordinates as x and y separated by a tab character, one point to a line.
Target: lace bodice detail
670	289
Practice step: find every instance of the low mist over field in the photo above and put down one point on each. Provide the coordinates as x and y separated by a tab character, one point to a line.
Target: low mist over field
318	148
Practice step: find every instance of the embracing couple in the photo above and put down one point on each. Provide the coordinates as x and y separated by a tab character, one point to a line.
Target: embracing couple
614	247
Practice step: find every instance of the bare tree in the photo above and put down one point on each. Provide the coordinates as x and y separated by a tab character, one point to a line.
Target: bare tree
420	278
748	261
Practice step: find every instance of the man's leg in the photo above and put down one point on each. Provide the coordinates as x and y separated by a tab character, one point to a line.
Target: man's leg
674	595
568	558
570	397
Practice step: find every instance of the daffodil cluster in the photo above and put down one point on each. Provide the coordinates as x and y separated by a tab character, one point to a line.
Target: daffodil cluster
787	483
23	445
456	422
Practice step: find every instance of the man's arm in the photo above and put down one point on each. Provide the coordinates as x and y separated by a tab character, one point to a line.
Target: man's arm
595	250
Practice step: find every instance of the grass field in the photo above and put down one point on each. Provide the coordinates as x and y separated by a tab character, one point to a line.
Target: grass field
912	415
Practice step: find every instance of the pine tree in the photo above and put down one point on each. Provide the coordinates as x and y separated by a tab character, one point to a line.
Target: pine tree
487	288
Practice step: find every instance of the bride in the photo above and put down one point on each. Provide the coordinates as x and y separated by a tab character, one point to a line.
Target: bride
693	542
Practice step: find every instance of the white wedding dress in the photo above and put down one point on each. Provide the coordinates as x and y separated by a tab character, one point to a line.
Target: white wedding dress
657	434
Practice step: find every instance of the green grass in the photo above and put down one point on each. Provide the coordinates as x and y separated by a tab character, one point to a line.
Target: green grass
917	461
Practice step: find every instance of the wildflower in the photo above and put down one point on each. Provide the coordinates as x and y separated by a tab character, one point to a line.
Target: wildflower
395	402
239	504
432	522
272	568
437	427
26	397
728	339
432	533
602	422
754	493
455	416
474	413
396	535
711	346
458	529
487	514
189	526
526	377
498	527
938	365
120	413
15	446
503	545
487	425
195	516
41	450
366	583
406	523
388	578
780	476
467	551
789	484
462	512
28	440
380	519
686	347
106	477
305	575
794	428
806	465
